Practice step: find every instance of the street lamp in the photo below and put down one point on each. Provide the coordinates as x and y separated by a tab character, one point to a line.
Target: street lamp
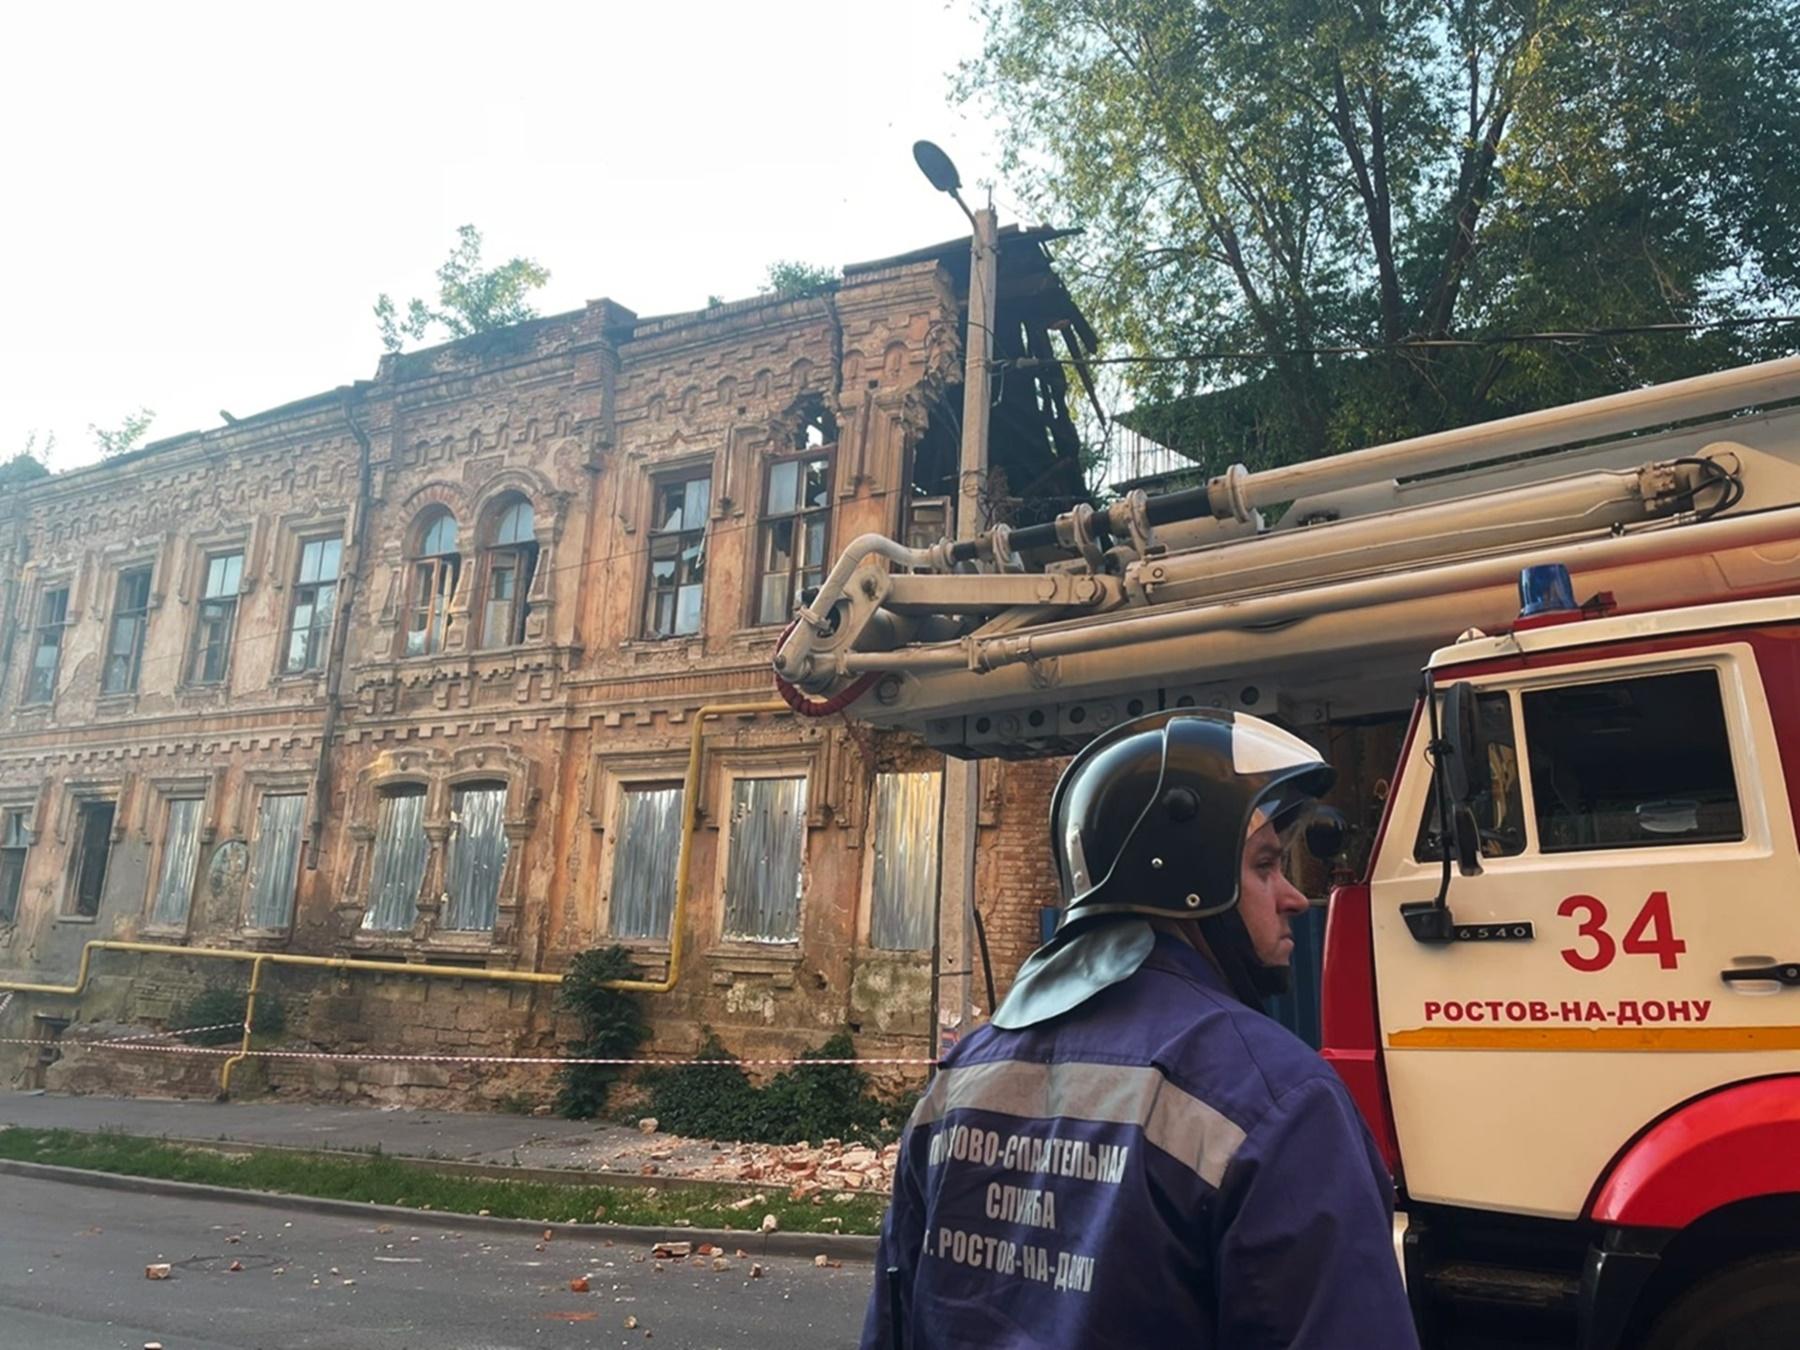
962	779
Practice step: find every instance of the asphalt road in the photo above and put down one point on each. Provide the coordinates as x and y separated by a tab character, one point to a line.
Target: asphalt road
72	1264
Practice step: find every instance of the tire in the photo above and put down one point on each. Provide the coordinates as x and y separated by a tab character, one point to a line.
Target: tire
1754	1305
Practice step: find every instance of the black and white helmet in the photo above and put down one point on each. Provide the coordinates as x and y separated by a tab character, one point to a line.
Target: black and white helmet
1151	817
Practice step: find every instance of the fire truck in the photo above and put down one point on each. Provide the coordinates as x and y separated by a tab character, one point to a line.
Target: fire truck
1564	985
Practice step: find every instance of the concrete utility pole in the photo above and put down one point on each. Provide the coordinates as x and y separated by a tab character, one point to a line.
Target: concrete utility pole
962	778
962	782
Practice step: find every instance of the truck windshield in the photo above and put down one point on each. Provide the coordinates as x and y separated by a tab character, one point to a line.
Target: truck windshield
1494	775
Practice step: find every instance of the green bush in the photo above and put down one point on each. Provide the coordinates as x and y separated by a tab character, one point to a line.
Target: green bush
221	1008
612	1027
831	1101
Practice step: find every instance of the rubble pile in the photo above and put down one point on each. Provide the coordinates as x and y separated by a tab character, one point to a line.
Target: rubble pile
804	1169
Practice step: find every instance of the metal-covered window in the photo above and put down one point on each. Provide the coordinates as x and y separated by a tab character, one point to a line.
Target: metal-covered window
903	892
14	844
218	617
477	857
512	557
315	604
435	569
795	532
397	869
764	874
125	640
93	850
275	860
677	556
645	852
180	858
46	645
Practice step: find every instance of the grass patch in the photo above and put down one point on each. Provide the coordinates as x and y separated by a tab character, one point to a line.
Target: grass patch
386	1180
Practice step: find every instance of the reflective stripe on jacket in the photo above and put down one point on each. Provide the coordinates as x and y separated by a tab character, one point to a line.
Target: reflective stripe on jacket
1160	1162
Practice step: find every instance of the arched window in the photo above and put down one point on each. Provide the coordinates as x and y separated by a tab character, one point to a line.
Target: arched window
510	560
435	567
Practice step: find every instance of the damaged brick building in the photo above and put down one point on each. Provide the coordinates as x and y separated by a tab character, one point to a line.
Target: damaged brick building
409	671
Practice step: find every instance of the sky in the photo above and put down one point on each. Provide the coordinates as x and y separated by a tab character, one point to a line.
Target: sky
203	201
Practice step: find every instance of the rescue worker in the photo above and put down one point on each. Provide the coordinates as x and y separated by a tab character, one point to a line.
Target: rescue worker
1132	1152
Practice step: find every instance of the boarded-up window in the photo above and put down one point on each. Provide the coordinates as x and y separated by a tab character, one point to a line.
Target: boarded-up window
768	844
93	849
645	853
14	843
477	857
397	869
277	855
180	855
903	893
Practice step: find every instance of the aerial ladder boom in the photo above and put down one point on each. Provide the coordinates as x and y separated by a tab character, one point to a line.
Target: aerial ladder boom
1312	591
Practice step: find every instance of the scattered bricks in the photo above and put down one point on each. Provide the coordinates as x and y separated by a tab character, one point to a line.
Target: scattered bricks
630	1322
720	1263
648	1124
705	1249
823	1262
578	1285
161	1270
672	1251
235	1267
770	1224
756	1271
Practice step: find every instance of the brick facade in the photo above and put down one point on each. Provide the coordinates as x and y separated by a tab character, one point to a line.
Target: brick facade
555	698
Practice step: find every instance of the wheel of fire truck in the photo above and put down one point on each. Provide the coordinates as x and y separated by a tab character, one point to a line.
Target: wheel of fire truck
1753	1305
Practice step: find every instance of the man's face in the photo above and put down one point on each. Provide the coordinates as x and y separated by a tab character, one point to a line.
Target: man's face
1267	900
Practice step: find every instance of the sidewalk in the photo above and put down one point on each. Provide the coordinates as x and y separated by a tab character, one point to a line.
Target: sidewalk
496	1140
507	1140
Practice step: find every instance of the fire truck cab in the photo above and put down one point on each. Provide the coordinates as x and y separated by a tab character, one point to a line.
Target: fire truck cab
1565	991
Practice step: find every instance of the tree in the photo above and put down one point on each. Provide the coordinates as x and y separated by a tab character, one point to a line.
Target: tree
125	437
795	279
29	464
471	299
1268	177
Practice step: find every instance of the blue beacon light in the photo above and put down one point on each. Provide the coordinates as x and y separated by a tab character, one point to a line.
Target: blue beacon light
1545	589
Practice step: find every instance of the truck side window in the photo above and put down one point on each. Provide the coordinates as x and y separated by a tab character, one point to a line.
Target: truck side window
1498	805
1632	763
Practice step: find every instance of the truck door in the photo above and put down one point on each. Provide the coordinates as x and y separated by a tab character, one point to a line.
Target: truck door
1635	842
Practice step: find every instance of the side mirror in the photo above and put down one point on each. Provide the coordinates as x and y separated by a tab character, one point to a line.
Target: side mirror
1461	741
1468	840
1325	831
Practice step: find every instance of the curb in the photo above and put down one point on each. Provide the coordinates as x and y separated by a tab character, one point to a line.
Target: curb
839	1246
456	1167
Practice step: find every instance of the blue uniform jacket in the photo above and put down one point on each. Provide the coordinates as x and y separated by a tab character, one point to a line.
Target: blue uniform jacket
1159	1165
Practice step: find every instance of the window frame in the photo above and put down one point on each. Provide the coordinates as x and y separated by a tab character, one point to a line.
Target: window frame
53	630
160	864
622	788
213	635
19	813
276	788
318	633
729	777
454	835
659	485
384	794
442	571
799	517
75	872
140	617
521	558
868	925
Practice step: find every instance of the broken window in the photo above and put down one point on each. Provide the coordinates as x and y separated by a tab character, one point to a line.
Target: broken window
315	604
125	641
646	850
218	617
677	556
765	873
46	645
180	858
14	844
435	569
903	893
477	860
512	556
93	849
274	860
397	868
795	534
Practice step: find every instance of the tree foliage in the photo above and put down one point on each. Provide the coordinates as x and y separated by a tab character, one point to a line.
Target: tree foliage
29	464
471	298
125	437
612	1026
1269	177
793	279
